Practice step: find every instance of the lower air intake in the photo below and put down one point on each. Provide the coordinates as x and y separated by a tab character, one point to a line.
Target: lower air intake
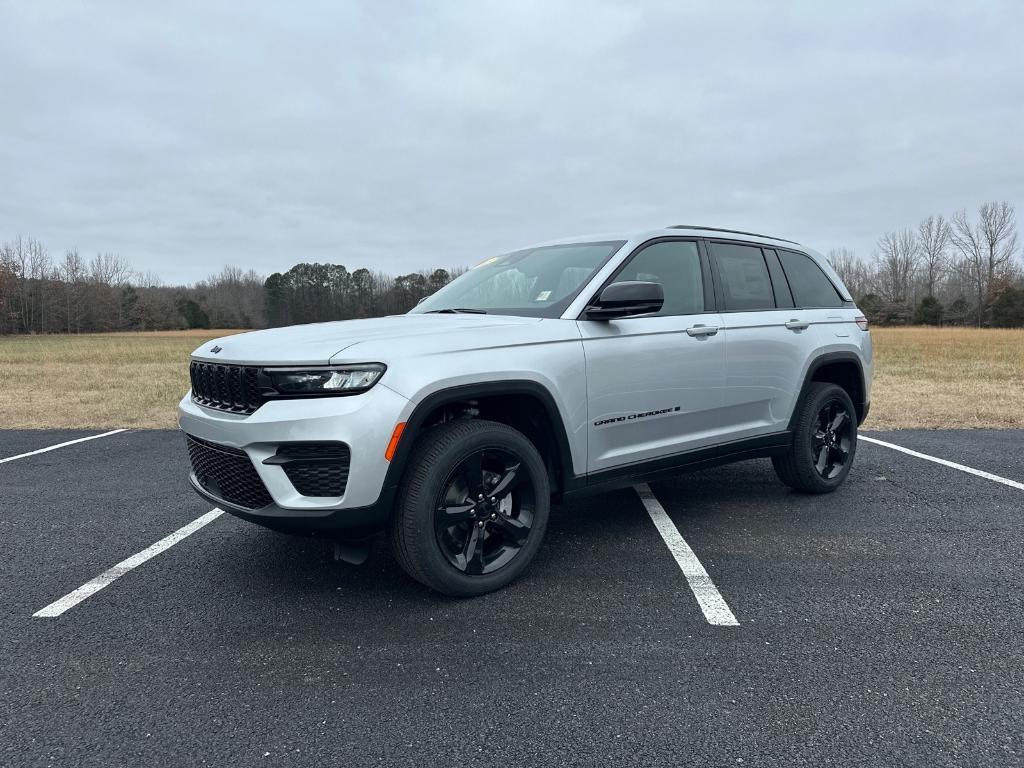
227	473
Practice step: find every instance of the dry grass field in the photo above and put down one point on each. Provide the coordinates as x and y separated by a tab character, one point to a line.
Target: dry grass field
932	378
95	380
924	377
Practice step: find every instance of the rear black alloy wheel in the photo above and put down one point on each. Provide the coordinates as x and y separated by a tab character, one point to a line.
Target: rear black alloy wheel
472	507
485	512
824	441
833	438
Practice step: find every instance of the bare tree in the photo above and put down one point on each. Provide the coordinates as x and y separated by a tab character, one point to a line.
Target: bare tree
933	236
110	269
71	273
987	247
33	267
9	316
854	273
148	279
897	259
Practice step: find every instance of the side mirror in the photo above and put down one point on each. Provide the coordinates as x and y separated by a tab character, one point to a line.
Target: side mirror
633	297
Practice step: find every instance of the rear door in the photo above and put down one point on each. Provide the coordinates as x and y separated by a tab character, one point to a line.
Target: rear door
654	383
767	342
818	301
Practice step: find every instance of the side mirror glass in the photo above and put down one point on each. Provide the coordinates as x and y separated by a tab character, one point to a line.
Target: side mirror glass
626	299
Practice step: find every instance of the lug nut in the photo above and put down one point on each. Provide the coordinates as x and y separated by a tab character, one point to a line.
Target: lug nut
493	516
480	497
472	513
481	524
493	499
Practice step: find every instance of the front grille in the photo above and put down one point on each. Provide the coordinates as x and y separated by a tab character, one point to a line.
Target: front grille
315	469
233	388
227	473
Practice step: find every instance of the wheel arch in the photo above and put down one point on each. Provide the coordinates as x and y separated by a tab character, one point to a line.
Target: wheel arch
844	369
523	404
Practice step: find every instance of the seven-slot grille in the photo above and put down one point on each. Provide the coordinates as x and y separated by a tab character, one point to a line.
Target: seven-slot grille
233	388
227	473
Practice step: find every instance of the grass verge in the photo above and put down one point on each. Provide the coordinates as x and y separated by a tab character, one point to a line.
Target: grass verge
95	380
947	378
924	378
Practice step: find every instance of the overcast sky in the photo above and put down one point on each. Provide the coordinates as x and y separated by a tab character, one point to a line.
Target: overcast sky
402	136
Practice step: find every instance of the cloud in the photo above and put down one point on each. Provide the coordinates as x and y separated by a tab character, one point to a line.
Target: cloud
402	136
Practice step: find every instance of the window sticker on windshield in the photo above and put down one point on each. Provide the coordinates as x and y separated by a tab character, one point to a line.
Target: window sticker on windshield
543	296
485	262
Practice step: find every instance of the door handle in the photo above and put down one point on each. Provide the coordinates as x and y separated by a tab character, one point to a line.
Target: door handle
702	330
798	325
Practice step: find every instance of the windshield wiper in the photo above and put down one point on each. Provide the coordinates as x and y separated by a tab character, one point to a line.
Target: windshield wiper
456	311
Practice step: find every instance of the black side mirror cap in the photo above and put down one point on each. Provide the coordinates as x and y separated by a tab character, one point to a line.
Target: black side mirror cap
626	299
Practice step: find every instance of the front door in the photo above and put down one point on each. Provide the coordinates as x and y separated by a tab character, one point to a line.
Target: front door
654	382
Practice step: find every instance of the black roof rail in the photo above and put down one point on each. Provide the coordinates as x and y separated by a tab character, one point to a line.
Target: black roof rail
733	231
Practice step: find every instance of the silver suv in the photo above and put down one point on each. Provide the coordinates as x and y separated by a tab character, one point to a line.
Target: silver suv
571	367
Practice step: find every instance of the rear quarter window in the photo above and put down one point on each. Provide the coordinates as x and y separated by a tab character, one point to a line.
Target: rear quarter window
810	286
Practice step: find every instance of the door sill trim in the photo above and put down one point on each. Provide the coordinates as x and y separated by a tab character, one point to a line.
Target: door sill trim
685	461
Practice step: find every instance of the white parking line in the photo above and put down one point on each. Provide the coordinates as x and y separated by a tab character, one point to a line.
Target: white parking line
715	609
946	463
90	588
61	445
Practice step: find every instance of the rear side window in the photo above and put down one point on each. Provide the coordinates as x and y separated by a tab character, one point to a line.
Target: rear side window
810	286
744	274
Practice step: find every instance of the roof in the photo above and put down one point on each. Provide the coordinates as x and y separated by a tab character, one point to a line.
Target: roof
698	231
733	232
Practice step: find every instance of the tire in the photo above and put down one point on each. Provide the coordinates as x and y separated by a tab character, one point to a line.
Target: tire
823	450
443	534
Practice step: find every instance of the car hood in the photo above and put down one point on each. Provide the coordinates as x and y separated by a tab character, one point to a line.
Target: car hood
317	343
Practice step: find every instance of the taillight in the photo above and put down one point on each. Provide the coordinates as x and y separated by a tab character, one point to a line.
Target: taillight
861	321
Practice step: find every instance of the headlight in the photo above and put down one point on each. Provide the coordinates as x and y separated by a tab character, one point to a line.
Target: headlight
329	380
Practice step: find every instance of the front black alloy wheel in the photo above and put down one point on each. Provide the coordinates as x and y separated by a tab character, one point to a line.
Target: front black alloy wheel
824	441
485	512
472	507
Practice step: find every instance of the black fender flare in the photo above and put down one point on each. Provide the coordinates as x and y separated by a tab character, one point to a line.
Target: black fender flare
415	425
828	358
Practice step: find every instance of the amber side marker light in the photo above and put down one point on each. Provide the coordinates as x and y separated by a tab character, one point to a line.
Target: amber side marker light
395	437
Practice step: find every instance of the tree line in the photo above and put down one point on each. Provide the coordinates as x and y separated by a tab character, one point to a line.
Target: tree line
74	294
963	270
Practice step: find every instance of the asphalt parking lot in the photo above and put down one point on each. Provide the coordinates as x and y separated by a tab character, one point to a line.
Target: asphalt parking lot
880	625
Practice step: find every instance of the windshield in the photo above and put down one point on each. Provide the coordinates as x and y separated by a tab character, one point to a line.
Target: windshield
537	282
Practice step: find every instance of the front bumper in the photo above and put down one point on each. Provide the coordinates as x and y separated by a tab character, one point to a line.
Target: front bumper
353	522
363	422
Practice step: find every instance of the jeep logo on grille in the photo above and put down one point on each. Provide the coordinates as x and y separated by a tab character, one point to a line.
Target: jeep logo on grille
215	350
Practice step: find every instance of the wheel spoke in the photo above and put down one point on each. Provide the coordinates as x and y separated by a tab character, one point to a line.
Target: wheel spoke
453	514
507	482
822	460
839	420
472	472
824	418
843	449
515	531
473	554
